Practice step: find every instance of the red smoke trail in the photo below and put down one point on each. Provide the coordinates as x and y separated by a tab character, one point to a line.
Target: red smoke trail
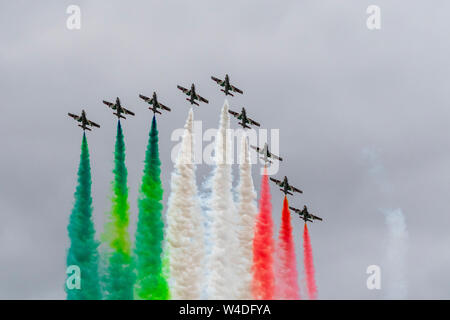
287	275
309	265
263	282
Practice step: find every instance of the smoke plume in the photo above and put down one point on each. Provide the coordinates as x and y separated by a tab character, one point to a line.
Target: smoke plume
263	282
119	281
396	286
83	246
397	246
286	265
185	226
247	211
309	265
150	282
224	258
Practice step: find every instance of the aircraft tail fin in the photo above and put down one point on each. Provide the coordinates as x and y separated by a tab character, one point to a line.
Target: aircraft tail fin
192	102
227	93
244	125
119	115
84	127
266	160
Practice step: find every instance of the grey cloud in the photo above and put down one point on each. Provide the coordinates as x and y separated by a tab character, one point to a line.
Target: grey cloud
313	70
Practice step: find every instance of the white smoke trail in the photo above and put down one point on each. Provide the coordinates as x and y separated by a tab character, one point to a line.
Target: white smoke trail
224	255
184	224
396	284
247	212
397	246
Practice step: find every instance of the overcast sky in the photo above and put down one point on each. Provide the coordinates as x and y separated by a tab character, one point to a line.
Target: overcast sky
312	70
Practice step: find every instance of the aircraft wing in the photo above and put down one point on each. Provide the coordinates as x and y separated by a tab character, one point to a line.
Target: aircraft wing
164	107
276	157
220	82
236	90
93	124
233	113
253	122
202	99
110	104
256	148
315	217
278	182
296	210
146	99
74	116
186	91
128	111
295	189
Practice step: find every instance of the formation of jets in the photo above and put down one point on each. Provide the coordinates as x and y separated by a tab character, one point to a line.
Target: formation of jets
287	188
192	96
194	99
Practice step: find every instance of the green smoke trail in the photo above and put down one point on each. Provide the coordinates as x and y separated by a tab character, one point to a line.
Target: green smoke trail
151	283
120	275
83	246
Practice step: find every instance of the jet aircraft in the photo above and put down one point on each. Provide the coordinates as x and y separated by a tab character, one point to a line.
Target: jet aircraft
227	87
244	119
305	215
118	108
266	154
84	121
286	188
154	103
192	95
